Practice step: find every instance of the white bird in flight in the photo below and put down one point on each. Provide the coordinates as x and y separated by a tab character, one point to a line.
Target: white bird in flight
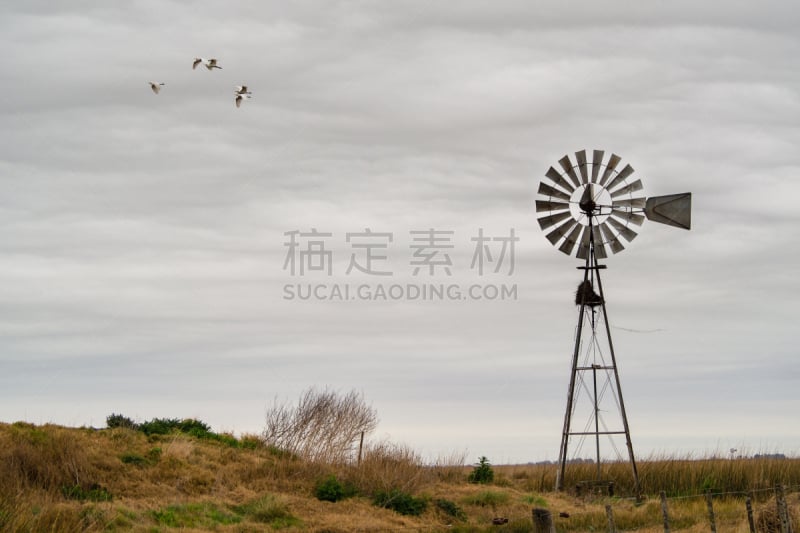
210	64
242	89
156	86
240	97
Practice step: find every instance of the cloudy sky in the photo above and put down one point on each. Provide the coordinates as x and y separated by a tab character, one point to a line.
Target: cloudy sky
144	266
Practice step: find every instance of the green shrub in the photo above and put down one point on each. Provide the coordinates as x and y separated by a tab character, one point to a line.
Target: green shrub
154	454
164	426
118	421
133	459
400	502
482	473
223	438
331	489
152	457
94	493
194	427
450	509
159	426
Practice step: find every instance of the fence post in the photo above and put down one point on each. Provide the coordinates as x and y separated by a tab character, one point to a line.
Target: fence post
612	527
710	506
542	521
783	512
749	504
664	511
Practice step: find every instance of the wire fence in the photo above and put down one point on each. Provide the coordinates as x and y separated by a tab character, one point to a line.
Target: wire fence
540	520
551	521
777	518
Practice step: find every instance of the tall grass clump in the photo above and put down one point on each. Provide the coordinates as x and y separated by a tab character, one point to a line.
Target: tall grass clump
449	468
677	476
487	498
204	515
269	509
45	464
387	467
46	458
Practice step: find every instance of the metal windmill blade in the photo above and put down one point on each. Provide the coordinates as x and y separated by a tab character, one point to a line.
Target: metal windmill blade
599	201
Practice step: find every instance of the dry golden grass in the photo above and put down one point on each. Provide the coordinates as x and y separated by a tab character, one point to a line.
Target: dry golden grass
66	479
675	476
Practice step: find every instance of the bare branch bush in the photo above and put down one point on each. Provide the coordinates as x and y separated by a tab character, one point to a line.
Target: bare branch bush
324	426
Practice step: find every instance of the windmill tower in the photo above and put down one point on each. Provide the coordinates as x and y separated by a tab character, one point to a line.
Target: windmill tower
587	209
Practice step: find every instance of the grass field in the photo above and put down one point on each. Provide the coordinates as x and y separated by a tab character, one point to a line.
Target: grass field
61	479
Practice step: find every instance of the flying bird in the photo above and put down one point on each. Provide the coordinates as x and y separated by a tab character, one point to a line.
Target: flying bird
210	64
241	97
242	89
156	86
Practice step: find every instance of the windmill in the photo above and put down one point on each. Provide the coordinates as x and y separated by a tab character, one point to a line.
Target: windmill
588	209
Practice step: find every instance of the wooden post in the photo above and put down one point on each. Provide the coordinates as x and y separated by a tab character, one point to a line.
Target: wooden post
783	511
710	506
360	448
750	521
664	511
612	527
542	521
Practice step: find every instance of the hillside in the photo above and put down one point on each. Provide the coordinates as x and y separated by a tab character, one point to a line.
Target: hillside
82	479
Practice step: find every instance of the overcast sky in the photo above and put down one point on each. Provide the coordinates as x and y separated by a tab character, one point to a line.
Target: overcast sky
143	264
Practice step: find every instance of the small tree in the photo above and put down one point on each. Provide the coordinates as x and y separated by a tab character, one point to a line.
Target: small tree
482	473
324	425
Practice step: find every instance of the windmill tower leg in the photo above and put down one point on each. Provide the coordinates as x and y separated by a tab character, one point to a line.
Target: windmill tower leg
565	433
628	443
587	311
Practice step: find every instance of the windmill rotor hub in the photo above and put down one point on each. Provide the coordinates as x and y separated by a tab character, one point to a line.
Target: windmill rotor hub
587	206
589	202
